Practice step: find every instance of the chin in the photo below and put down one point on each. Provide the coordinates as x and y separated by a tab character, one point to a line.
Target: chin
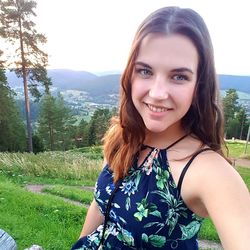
152	129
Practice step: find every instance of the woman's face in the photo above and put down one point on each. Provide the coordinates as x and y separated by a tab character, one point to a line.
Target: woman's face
163	80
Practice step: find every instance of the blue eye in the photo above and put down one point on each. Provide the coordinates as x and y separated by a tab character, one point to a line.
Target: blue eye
180	78
144	72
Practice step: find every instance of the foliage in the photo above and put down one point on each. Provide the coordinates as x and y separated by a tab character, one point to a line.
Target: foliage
12	132
34	109
26	59
91	152
64	165
91	133
18	29
55	123
38	145
98	125
82	134
235	116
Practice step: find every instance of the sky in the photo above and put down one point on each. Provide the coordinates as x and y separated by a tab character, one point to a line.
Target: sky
96	35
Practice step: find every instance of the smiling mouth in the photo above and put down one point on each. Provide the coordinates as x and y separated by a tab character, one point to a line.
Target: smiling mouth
157	109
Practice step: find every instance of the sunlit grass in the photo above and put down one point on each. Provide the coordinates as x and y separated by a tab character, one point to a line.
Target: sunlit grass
38	219
73	193
237	149
64	165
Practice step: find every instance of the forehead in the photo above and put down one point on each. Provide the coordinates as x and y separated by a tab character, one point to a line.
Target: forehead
171	51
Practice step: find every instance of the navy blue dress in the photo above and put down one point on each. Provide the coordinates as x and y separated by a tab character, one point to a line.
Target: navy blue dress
147	211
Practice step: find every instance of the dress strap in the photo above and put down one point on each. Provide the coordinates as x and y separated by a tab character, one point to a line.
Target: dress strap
108	208
144	146
187	166
171	145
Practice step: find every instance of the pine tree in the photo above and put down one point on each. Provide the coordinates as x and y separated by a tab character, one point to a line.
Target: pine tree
98	125
17	28
64	124
46	120
230	107
12	132
236	124
82	133
241	116
55	123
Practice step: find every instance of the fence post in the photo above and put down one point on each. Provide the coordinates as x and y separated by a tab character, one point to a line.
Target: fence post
248	134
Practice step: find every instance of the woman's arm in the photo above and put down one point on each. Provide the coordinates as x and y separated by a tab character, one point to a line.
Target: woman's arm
93	219
227	201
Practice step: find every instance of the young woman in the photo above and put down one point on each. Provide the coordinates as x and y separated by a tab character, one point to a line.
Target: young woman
165	169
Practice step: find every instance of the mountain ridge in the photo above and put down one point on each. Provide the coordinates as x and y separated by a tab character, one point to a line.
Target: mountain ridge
65	79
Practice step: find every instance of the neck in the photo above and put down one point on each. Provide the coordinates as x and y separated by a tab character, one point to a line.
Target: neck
165	138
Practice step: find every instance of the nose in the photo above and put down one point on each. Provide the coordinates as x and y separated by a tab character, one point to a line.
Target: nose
159	89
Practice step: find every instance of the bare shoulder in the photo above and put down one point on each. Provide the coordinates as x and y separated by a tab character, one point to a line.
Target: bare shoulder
213	167
225	197
216	174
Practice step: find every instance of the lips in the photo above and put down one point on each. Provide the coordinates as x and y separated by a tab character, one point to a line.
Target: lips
157	109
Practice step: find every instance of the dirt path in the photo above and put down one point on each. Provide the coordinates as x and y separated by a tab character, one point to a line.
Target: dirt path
242	163
209	245
36	188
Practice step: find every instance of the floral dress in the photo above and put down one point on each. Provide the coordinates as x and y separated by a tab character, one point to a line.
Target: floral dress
147	211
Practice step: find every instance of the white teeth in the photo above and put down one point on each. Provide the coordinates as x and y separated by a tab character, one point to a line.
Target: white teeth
156	109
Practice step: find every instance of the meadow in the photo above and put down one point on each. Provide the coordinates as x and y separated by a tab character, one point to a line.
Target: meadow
48	220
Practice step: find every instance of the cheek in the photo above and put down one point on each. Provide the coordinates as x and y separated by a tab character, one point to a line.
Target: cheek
185	97
136	90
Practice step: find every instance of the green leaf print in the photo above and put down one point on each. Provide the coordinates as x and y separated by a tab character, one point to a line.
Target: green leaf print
142	208
142	212
150	224
172	221
161	177
167	198
190	230
144	238
128	203
156	213
157	240
126	237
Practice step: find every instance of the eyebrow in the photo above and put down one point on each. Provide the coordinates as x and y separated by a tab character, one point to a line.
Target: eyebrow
179	70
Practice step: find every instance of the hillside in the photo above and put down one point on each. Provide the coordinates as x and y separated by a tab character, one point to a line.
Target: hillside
61	78
240	83
64	79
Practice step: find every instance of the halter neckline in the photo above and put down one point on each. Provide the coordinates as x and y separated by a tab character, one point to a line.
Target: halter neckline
144	146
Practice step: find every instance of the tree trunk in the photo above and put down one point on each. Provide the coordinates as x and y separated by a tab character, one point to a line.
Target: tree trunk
25	86
51	137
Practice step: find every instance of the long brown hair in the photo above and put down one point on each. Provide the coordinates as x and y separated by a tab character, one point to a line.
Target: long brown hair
204	118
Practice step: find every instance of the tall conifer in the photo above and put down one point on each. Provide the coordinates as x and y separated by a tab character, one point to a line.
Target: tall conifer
27	59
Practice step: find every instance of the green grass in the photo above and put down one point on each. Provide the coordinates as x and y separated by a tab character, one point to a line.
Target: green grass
92	152
237	149
38	219
63	165
48	221
73	193
23	180
245	174
208	231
